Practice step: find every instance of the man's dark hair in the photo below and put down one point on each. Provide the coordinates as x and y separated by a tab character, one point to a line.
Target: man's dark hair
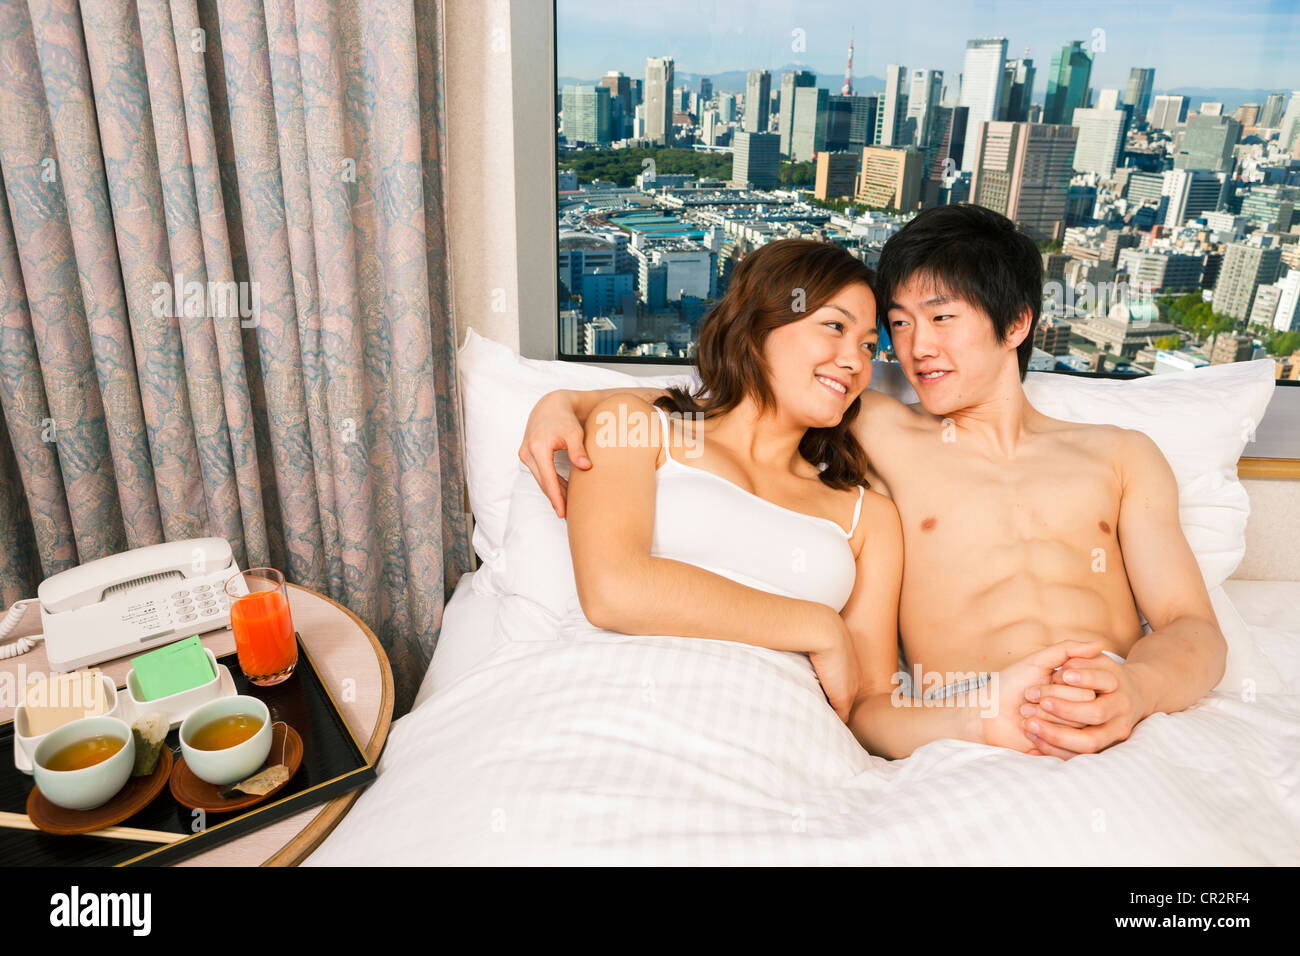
970	252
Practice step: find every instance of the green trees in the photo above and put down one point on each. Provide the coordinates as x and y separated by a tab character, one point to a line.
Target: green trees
1283	344
622	166
857	205
799	174
1191	313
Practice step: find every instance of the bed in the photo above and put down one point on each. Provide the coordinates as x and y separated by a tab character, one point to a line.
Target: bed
533	742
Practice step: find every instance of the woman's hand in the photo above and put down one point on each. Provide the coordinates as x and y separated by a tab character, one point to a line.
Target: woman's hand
552	425
836	663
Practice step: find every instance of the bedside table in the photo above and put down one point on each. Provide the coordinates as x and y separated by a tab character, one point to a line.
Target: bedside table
353	666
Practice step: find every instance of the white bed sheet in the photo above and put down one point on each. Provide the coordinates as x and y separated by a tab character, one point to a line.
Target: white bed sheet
662	750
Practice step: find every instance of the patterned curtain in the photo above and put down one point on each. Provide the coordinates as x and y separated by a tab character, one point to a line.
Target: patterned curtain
224	297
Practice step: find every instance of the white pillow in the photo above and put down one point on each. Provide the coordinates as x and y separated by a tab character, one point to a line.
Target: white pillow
1201	420
535	560
499	388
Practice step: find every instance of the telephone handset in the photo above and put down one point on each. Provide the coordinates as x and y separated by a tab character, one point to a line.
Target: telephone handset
129	602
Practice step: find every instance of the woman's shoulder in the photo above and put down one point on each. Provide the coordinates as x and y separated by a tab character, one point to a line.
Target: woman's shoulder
877	520
624	424
880	512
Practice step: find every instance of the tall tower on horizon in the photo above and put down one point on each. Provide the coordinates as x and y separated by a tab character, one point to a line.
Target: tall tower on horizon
847	88
982	77
658	100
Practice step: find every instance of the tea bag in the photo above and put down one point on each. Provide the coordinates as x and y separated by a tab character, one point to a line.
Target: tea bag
259	783
149	732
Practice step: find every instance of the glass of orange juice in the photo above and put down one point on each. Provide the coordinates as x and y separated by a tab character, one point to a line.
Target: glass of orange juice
263	627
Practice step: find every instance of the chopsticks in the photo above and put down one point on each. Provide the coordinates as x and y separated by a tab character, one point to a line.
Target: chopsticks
20	821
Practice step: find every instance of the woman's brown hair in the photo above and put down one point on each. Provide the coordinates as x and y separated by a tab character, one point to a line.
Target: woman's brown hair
778	283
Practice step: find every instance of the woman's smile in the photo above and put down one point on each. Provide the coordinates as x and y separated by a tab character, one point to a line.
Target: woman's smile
833	385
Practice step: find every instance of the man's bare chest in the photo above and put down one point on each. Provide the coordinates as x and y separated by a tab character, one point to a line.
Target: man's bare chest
969	505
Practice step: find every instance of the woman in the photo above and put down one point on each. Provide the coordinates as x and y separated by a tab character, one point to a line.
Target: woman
744	504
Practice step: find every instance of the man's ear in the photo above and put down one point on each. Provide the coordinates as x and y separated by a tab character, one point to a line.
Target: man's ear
1020	328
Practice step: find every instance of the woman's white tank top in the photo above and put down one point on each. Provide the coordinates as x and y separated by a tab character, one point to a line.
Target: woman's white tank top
704	519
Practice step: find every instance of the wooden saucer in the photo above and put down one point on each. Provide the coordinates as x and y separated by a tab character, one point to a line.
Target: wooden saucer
135	795
190	791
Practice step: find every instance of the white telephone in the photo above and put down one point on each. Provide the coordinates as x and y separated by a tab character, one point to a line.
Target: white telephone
129	602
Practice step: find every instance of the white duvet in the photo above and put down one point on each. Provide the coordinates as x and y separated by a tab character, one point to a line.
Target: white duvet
622	750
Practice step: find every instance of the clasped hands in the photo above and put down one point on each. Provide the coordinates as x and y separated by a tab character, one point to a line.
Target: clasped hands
1090	703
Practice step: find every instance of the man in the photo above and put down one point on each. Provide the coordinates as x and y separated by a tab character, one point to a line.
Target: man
1019	531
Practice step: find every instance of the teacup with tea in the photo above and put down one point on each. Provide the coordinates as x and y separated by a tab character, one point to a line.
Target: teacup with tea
83	764
227	739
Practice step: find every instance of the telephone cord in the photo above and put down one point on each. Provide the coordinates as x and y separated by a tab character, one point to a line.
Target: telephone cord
11	619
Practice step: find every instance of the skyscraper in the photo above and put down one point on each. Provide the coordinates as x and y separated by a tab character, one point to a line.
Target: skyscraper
1067	83
1290	121
1168	112
1019	77
1245	268
1108	100
1287	316
981	85
1101	139
1192	193
1141	82
620	95
758	94
727	107
1023	171
790	81
923	92
811	120
586	114
892	109
1270	116
756	160
659	100
948	135
862	127
851	122
1207	143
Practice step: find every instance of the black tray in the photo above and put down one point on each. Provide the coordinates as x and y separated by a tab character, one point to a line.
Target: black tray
333	764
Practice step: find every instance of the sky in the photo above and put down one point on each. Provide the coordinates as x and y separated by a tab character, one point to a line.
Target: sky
1251	44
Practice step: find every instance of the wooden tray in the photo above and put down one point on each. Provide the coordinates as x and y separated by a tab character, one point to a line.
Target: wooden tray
333	764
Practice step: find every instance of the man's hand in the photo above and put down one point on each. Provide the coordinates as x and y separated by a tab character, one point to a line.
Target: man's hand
1005	728
1066	728
552	425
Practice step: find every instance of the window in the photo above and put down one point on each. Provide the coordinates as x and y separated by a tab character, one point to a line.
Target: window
1154	155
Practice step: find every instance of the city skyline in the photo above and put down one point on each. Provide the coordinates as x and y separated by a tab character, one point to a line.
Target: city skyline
1251	45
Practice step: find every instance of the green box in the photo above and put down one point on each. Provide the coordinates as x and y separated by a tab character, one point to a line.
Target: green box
172	669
